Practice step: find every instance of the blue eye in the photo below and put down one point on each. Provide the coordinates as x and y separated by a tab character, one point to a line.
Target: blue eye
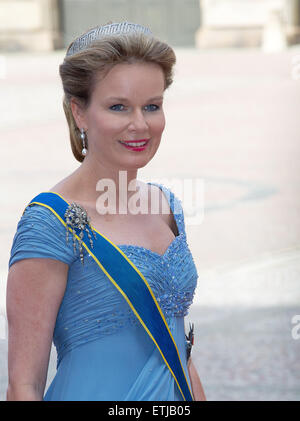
153	105
116	105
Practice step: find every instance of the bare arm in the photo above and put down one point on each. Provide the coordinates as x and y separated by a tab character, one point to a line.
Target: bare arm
35	288
197	388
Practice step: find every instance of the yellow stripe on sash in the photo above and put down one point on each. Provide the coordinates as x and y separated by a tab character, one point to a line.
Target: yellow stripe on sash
121	291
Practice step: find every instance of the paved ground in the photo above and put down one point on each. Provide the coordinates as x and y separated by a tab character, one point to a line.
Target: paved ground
233	122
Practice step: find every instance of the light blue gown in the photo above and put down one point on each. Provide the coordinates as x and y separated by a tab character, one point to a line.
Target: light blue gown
103	352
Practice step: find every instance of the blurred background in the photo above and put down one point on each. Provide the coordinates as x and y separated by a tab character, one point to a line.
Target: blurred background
232	121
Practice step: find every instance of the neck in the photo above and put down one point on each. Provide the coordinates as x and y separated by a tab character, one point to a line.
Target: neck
114	185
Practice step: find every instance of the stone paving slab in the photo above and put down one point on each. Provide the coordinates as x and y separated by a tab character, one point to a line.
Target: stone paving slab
235	113
240	353
247	353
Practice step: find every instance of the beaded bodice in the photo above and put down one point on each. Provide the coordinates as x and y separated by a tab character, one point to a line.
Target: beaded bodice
92	307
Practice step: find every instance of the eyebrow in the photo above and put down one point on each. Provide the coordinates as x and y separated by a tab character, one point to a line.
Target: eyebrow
126	99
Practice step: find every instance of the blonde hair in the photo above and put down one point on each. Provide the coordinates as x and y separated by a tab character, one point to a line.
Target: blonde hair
79	72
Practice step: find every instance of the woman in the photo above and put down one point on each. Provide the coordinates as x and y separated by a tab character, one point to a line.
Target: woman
109	347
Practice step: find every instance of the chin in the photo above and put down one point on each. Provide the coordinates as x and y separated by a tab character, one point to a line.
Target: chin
137	162
136	165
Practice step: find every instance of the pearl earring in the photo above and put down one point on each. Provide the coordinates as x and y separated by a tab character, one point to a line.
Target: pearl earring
82	135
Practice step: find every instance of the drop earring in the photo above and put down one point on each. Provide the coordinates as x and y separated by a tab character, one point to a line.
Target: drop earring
82	135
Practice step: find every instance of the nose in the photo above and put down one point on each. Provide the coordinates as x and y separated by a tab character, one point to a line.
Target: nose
138	122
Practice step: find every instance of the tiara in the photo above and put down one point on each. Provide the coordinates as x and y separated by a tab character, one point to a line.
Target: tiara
98	32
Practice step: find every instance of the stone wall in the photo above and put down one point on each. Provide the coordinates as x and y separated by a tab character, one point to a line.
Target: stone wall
31	25
174	21
237	23
44	25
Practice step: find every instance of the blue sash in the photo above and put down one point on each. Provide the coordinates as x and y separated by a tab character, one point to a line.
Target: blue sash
133	286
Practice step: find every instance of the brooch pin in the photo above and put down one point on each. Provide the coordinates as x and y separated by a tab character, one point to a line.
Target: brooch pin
77	217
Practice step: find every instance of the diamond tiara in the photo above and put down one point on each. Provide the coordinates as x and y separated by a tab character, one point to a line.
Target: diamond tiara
100	31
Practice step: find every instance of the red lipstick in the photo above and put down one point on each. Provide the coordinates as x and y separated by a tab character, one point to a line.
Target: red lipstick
129	144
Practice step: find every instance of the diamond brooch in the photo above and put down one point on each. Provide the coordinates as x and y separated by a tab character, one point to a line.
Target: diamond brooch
76	217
